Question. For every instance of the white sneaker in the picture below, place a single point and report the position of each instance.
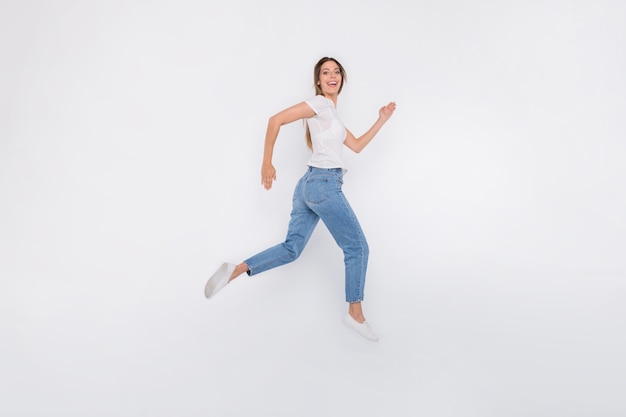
(219, 279)
(363, 329)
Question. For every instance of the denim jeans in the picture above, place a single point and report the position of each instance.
(318, 196)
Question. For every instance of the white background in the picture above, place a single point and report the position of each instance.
(131, 136)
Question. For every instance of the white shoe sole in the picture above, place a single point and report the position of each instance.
(219, 279)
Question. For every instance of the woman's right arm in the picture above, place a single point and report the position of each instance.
(291, 114)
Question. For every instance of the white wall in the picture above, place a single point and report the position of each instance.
(130, 145)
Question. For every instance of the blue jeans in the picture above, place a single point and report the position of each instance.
(317, 196)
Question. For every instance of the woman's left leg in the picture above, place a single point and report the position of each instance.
(324, 196)
(327, 200)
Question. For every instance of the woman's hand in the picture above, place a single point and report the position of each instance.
(385, 112)
(358, 144)
(268, 175)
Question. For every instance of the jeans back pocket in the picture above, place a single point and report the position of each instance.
(317, 188)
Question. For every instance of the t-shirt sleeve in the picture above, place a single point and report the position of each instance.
(317, 103)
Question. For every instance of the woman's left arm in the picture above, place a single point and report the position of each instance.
(358, 144)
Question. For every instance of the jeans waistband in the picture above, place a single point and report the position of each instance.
(311, 169)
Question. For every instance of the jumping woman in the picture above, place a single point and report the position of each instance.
(318, 194)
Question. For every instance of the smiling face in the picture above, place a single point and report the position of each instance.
(329, 77)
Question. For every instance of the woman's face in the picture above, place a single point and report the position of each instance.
(330, 78)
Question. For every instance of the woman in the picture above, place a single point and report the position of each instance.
(318, 194)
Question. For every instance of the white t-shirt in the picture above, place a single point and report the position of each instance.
(327, 134)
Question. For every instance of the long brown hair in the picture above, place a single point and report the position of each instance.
(318, 89)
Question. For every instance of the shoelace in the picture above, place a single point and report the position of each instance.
(367, 327)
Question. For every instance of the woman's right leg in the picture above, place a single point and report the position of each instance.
(301, 225)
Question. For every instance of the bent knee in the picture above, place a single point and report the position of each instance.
(292, 251)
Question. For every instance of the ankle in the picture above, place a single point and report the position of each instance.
(356, 312)
(239, 269)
